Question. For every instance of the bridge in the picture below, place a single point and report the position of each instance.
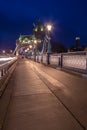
(42, 90)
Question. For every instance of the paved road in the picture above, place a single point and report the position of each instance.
(46, 99)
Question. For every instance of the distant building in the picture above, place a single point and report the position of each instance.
(39, 33)
(24, 42)
(78, 48)
(77, 42)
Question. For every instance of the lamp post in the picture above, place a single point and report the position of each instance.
(35, 49)
(49, 28)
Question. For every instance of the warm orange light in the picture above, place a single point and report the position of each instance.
(30, 46)
(11, 51)
(3, 51)
(35, 41)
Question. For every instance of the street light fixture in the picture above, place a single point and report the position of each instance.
(49, 27)
(30, 46)
(28, 49)
(35, 41)
(11, 51)
(3, 51)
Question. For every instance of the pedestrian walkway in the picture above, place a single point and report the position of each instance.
(33, 106)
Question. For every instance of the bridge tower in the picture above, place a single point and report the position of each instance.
(24, 42)
(39, 32)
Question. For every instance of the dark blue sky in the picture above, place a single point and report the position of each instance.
(68, 16)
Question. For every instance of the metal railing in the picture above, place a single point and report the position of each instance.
(75, 61)
(5, 66)
(6, 70)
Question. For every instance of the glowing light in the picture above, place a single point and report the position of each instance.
(77, 38)
(35, 41)
(3, 51)
(25, 50)
(35, 29)
(49, 27)
(42, 29)
(11, 51)
(28, 41)
(23, 41)
(7, 58)
(30, 46)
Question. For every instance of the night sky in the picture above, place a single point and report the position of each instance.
(69, 18)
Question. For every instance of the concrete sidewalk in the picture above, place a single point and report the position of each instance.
(33, 106)
(70, 89)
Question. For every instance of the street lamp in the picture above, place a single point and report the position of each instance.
(27, 49)
(35, 41)
(30, 46)
(34, 48)
(49, 28)
(3, 51)
(11, 51)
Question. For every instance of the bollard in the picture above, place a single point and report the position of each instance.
(41, 58)
(1, 73)
(48, 58)
(60, 61)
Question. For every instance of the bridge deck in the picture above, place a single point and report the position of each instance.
(46, 99)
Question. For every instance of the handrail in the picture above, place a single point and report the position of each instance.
(5, 66)
(75, 61)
